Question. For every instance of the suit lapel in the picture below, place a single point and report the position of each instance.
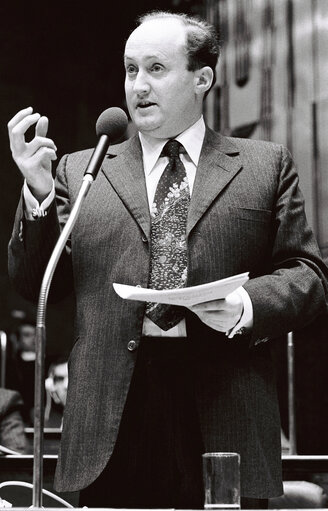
(218, 164)
(123, 168)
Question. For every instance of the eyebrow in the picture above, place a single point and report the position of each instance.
(149, 57)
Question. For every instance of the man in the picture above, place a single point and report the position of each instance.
(21, 364)
(56, 390)
(145, 401)
(12, 435)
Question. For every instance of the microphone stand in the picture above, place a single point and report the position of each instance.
(41, 341)
(3, 342)
(291, 393)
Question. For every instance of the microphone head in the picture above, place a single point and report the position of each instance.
(113, 123)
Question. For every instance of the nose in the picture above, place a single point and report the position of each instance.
(141, 84)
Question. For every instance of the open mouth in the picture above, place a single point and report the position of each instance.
(145, 104)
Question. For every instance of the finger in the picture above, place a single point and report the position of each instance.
(42, 158)
(17, 134)
(41, 127)
(212, 317)
(221, 315)
(213, 305)
(24, 124)
(220, 327)
(38, 142)
(19, 116)
(218, 321)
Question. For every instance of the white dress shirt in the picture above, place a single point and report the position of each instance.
(192, 140)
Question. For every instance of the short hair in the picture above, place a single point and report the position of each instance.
(202, 46)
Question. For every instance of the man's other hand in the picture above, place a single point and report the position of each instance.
(221, 315)
(33, 158)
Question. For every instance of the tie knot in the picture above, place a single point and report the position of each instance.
(172, 149)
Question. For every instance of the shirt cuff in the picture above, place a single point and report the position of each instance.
(33, 209)
(246, 321)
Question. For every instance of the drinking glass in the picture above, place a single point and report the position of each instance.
(221, 475)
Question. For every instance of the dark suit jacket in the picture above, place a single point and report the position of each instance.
(246, 214)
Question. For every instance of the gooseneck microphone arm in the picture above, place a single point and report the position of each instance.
(110, 126)
(41, 341)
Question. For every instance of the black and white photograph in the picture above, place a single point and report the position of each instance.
(164, 254)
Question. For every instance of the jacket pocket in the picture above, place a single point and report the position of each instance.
(252, 214)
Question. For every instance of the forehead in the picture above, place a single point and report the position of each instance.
(159, 37)
(27, 330)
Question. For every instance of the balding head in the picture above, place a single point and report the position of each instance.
(164, 95)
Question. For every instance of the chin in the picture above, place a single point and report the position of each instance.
(147, 127)
(144, 122)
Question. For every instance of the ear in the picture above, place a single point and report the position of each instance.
(203, 79)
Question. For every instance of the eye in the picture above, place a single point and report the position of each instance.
(131, 69)
(156, 68)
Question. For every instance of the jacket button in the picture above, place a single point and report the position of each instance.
(144, 239)
(132, 345)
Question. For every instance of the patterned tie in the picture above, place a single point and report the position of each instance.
(168, 236)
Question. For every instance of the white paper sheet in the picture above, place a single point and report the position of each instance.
(185, 296)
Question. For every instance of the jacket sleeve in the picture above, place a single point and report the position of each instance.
(31, 246)
(295, 293)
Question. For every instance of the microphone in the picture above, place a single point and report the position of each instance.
(110, 127)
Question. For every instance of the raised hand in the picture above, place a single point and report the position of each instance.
(34, 158)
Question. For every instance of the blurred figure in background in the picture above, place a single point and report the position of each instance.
(20, 367)
(12, 434)
(56, 391)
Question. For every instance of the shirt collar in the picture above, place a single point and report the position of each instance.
(191, 139)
